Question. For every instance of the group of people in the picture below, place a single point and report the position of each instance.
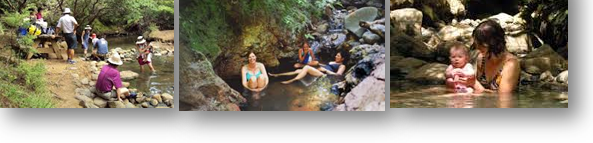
(497, 69)
(255, 77)
(109, 84)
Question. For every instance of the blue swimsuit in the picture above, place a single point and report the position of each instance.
(248, 75)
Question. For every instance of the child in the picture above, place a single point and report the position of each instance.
(460, 74)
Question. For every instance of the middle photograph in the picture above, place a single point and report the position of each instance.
(282, 55)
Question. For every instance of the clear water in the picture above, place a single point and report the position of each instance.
(160, 82)
(436, 96)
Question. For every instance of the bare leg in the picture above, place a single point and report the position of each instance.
(252, 83)
(306, 70)
(298, 65)
(261, 82)
(151, 67)
(313, 63)
(141, 68)
(286, 73)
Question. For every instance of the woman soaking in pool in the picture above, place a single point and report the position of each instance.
(253, 75)
(497, 69)
(336, 67)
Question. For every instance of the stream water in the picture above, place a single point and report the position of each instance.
(436, 96)
(303, 95)
(160, 82)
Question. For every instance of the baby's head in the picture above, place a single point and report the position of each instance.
(459, 55)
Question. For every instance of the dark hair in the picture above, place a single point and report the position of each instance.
(461, 47)
(39, 9)
(489, 32)
(345, 56)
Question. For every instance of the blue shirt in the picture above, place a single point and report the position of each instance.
(102, 46)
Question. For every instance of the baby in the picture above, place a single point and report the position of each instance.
(460, 73)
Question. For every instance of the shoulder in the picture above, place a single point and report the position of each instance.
(261, 65)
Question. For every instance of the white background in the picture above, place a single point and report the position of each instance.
(395, 125)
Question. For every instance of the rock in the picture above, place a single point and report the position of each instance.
(84, 91)
(158, 98)
(129, 105)
(128, 75)
(93, 63)
(352, 21)
(85, 81)
(546, 77)
(166, 96)
(92, 83)
(408, 21)
(407, 65)
(52, 56)
(95, 76)
(116, 104)
(100, 102)
(140, 99)
(145, 105)
(322, 28)
(527, 78)
(196, 94)
(461, 33)
(369, 95)
(433, 73)
(75, 76)
(562, 77)
(101, 64)
(518, 44)
(126, 84)
(411, 47)
(370, 37)
(401, 3)
(154, 102)
(544, 59)
(89, 105)
(456, 7)
(84, 99)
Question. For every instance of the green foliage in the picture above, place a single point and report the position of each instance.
(23, 87)
(1, 28)
(550, 20)
(204, 26)
(14, 19)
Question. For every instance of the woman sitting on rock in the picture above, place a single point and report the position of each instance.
(306, 57)
(497, 69)
(253, 75)
(336, 67)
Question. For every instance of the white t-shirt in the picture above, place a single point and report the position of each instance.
(67, 23)
(467, 70)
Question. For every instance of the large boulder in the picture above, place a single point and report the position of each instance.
(352, 21)
(128, 75)
(433, 73)
(200, 86)
(407, 65)
(407, 21)
(518, 44)
(411, 47)
(562, 77)
(369, 95)
(395, 4)
(544, 59)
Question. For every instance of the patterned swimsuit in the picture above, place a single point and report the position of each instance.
(492, 84)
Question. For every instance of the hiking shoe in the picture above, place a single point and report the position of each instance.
(71, 62)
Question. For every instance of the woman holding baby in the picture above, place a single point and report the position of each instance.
(497, 70)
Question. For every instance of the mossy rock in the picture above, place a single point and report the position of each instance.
(364, 14)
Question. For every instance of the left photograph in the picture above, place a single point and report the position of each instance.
(87, 54)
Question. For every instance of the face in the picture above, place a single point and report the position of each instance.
(482, 48)
(458, 58)
(252, 58)
(305, 46)
(339, 58)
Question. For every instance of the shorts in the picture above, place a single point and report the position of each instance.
(70, 40)
(110, 96)
(142, 62)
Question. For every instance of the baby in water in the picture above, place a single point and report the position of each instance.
(460, 74)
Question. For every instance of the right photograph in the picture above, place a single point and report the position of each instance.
(479, 54)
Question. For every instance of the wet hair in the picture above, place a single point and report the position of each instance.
(345, 56)
(490, 33)
(458, 46)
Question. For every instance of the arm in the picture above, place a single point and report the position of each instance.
(243, 78)
(311, 54)
(510, 76)
(301, 56)
(82, 37)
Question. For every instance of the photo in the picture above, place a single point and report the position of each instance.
(87, 54)
(282, 55)
(479, 54)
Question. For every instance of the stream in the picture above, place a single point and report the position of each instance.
(161, 82)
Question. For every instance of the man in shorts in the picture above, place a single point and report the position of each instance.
(67, 24)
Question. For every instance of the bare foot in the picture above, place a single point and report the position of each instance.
(273, 75)
(287, 82)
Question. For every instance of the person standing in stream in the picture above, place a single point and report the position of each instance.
(67, 25)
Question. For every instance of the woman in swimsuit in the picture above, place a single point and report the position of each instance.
(336, 67)
(254, 75)
(497, 69)
(306, 57)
